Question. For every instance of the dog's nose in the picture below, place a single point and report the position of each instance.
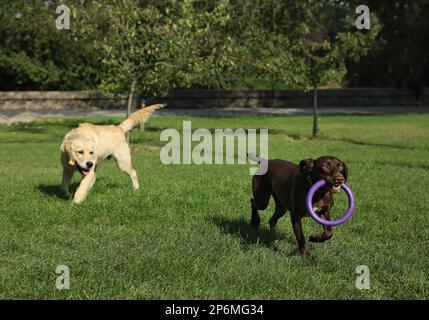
(339, 179)
(89, 164)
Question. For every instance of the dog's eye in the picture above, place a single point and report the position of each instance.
(80, 152)
(92, 152)
(325, 168)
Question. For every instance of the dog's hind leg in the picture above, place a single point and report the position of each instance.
(261, 198)
(278, 213)
(123, 160)
(65, 184)
(255, 221)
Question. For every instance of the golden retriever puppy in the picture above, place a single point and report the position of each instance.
(86, 146)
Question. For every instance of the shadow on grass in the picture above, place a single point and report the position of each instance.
(399, 164)
(54, 190)
(402, 165)
(249, 235)
(24, 127)
(375, 145)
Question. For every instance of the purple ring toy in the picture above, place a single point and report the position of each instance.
(344, 218)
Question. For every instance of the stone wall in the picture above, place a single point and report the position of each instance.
(350, 97)
(58, 100)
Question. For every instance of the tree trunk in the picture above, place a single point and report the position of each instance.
(142, 126)
(140, 104)
(130, 104)
(315, 112)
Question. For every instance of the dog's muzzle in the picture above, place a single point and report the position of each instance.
(83, 171)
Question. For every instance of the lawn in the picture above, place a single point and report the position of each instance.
(185, 234)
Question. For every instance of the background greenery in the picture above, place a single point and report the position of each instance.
(185, 234)
(248, 44)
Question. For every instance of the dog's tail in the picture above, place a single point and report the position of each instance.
(255, 158)
(139, 116)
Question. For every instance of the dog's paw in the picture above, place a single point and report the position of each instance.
(255, 223)
(305, 252)
(78, 199)
(320, 237)
(65, 192)
(136, 185)
(272, 225)
(66, 195)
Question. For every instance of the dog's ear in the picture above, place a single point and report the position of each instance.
(67, 148)
(306, 166)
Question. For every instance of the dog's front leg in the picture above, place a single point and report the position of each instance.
(297, 229)
(327, 230)
(67, 177)
(84, 187)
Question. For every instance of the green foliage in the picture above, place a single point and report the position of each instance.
(400, 58)
(326, 61)
(211, 44)
(265, 37)
(284, 44)
(35, 55)
(160, 46)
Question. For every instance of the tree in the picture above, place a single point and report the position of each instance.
(326, 60)
(265, 35)
(297, 44)
(153, 46)
(35, 55)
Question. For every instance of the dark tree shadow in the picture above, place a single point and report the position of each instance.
(377, 145)
(249, 235)
(402, 165)
(398, 164)
(24, 128)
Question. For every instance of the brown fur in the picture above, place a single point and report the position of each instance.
(288, 184)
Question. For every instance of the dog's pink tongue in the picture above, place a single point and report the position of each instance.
(336, 189)
(85, 173)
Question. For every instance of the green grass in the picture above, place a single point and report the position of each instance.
(185, 233)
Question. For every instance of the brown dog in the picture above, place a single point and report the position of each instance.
(289, 183)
